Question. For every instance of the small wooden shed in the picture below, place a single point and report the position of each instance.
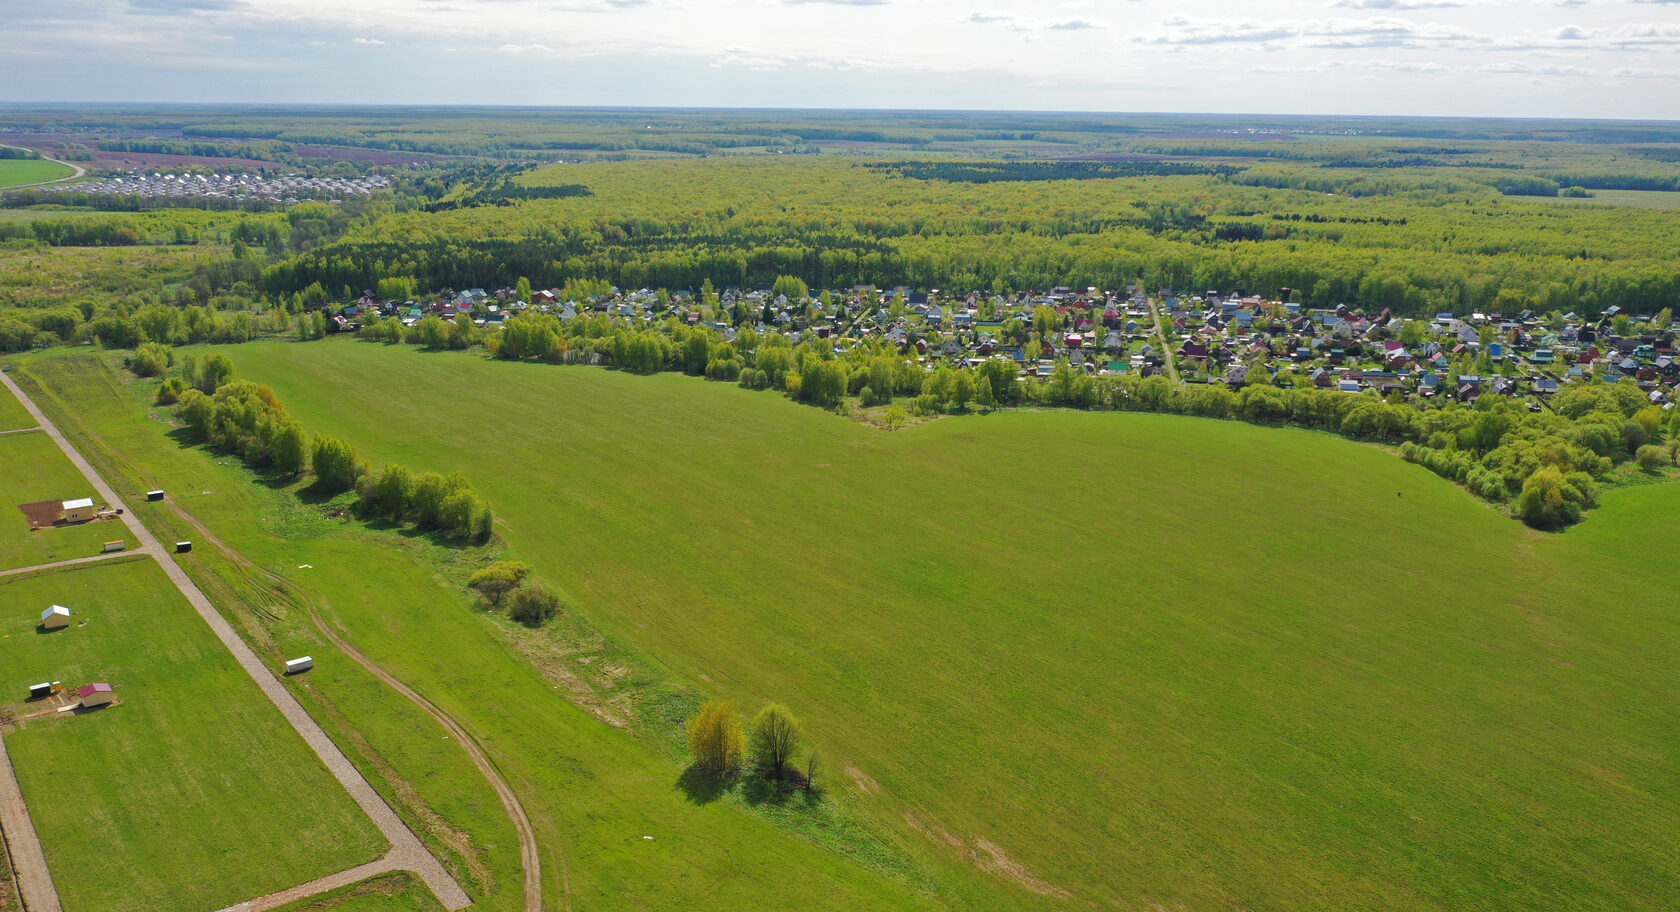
(154, 495)
(77, 510)
(95, 695)
(43, 690)
(304, 663)
(55, 617)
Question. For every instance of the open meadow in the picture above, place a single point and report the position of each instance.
(15, 172)
(1052, 658)
(36, 471)
(593, 791)
(192, 792)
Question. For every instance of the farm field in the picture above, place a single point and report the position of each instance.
(17, 171)
(192, 792)
(36, 470)
(592, 791)
(1644, 199)
(1425, 706)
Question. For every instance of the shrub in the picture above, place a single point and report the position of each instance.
(151, 359)
(1549, 501)
(336, 464)
(1651, 456)
(534, 607)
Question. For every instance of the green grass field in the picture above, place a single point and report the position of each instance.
(17, 171)
(30, 215)
(36, 470)
(1054, 658)
(194, 792)
(12, 414)
(592, 791)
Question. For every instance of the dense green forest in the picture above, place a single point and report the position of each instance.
(1414, 215)
(1411, 245)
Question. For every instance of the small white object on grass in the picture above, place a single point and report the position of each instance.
(647, 837)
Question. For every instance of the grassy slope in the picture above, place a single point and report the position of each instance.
(192, 794)
(36, 470)
(592, 792)
(1153, 659)
(16, 171)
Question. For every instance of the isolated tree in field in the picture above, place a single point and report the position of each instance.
(534, 607)
(714, 738)
(497, 580)
(776, 737)
(336, 464)
(895, 417)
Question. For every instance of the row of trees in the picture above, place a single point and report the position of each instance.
(430, 500)
(247, 420)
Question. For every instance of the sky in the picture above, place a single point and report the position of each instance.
(1522, 58)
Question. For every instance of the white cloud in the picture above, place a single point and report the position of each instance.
(360, 40)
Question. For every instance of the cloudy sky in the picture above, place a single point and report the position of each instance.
(1587, 58)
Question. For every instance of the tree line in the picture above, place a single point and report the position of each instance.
(247, 420)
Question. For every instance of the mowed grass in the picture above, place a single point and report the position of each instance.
(13, 416)
(193, 793)
(593, 792)
(17, 171)
(1122, 659)
(36, 470)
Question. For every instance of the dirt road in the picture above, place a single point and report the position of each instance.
(78, 169)
(406, 852)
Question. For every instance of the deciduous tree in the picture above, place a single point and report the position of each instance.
(714, 738)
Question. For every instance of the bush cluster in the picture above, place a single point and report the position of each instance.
(430, 500)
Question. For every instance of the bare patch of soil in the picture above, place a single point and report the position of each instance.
(864, 783)
(995, 861)
(986, 855)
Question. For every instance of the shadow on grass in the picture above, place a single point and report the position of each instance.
(755, 788)
(702, 786)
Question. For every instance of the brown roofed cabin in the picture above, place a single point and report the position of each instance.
(95, 695)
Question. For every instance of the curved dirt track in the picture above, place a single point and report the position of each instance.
(530, 860)
(78, 169)
(532, 863)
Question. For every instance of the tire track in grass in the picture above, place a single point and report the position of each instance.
(530, 860)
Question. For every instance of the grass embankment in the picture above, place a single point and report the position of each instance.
(1147, 658)
(193, 792)
(36, 470)
(15, 172)
(593, 792)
